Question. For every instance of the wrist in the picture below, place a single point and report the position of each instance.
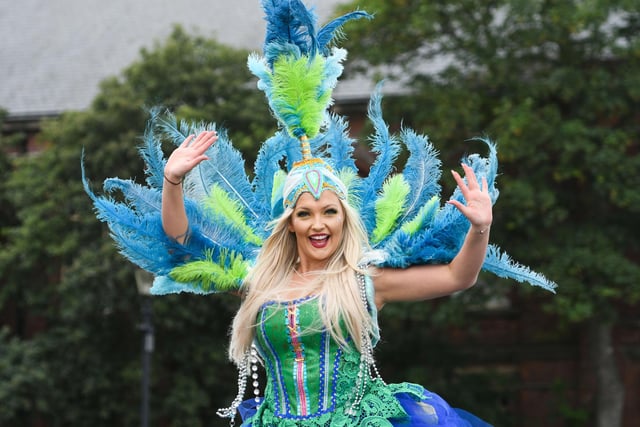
(173, 180)
(480, 229)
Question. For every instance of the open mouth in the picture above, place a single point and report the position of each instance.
(319, 241)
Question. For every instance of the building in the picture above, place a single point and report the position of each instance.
(55, 54)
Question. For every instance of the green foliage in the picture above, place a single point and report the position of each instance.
(572, 416)
(73, 354)
(21, 375)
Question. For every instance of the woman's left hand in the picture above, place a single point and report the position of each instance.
(420, 282)
(478, 206)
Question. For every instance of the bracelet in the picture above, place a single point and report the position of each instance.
(484, 230)
(171, 182)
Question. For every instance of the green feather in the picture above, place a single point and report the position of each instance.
(230, 211)
(349, 177)
(278, 182)
(298, 98)
(389, 206)
(222, 276)
(424, 216)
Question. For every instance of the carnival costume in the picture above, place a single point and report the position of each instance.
(311, 380)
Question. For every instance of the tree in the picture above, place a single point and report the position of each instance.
(556, 83)
(74, 294)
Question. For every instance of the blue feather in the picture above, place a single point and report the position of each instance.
(136, 235)
(387, 148)
(140, 244)
(294, 154)
(277, 17)
(502, 265)
(302, 28)
(331, 29)
(270, 156)
(144, 199)
(438, 242)
(289, 22)
(226, 168)
(485, 167)
(168, 126)
(206, 232)
(332, 70)
(164, 285)
(422, 171)
(259, 68)
(492, 160)
(401, 238)
(339, 143)
(449, 225)
(151, 153)
(136, 228)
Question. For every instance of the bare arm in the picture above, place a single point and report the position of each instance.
(432, 281)
(184, 158)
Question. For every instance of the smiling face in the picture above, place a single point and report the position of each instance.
(318, 226)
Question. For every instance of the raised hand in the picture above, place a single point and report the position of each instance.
(188, 155)
(478, 206)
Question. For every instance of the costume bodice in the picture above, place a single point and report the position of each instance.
(311, 380)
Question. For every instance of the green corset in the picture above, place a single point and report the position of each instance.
(311, 380)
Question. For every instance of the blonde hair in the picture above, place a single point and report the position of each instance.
(336, 287)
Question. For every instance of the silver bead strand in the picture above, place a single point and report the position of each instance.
(254, 373)
(243, 373)
(367, 361)
(366, 339)
(363, 372)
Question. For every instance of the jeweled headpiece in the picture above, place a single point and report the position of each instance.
(311, 175)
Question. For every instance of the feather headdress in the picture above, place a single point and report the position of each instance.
(298, 73)
(229, 213)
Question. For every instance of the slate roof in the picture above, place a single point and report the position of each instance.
(54, 53)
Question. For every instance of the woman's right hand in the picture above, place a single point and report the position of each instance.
(188, 155)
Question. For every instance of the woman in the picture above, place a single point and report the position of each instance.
(309, 305)
(311, 284)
